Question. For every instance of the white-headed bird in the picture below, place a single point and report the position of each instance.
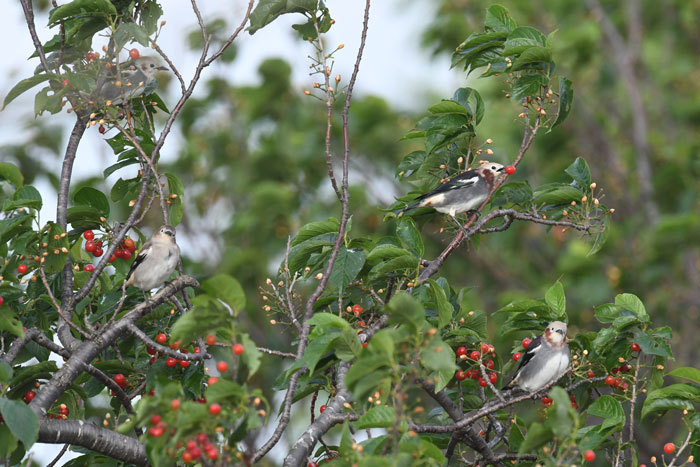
(156, 260)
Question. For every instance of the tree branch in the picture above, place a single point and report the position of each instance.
(107, 442)
(165, 349)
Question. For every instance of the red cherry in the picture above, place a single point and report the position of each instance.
(364, 344)
(161, 338)
(151, 350)
(469, 373)
(609, 380)
(625, 368)
(237, 349)
(101, 129)
(590, 374)
(510, 170)
(357, 309)
(174, 345)
(322, 408)
(134, 54)
(155, 419)
(484, 348)
(186, 456)
(202, 438)
(191, 444)
(211, 339)
(489, 364)
(98, 252)
(120, 379)
(152, 360)
(483, 383)
(22, 269)
(126, 254)
(129, 244)
(113, 257)
(196, 452)
(615, 371)
(29, 396)
(63, 410)
(184, 363)
(212, 380)
(313, 464)
(461, 351)
(88, 268)
(476, 374)
(589, 456)
(212, 453)
(66, 83)
(90, 246)
(214, 409)
(155, 431)
(493, 377)
(618, 382)
(669, 448)
(88, 235)
(1, 301)
(516, 356)
(574, 405)
(635, 347)
(170, 362)
(175, 404)
(222, 366)
(90, 56)
(526, 342)
(547, 401)
(461, 375)
(475, 355)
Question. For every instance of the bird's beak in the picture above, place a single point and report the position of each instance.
(560, 331)
(501, 169)
(162, 68)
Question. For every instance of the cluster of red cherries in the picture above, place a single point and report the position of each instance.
(94, 246)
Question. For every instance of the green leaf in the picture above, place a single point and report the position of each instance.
(512, 193)
(444, 307)
(532, 55)
(21, 420)
(607, 313)
(10, 323)
(348, 263)
(537, 435)
(521, 39)
(653, 345)
(675, 396)
(5, 372)
(436, 355)
(227, 289)
(381, 416)
(127, 32)
(11, 173)
(556, 299)
(463, 96)
(268, 10)
(251, 355)
(559, 416)
(347, 345)
(610, 410)
(174, 184)
(632, 303)
(528, 85)
(25, 197)
(82, 8)
(385, 251)
(315, 229)
(8, 441)
(206, 315)
(566, 98)
(25, 85)
(84, 217)
(447, 106)
(687, 372)
(113, 168)
(89, 196)
(580, 172)
(557, 193)
(405, 309)
(498, 19)
(407, 231)
(48, 99)
(394, 265)
(329, 319)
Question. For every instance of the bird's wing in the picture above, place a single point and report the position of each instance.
(140, 257)
(532, 349)
(530, 352)
(463, 180)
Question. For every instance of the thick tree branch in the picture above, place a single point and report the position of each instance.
(88, 350)
(107, 442)
(333, 414)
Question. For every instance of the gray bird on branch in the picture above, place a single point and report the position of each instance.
(545, 360)
(138, 78)
(156, 260)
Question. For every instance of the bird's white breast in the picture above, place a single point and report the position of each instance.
(550, 370)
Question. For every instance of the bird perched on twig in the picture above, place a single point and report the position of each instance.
(155, 261)
(137, 79)
(545, 360)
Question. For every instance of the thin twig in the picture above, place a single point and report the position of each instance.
(276, 352)
(681, 449)
(58, 457)
(60, 312)
(165, 350)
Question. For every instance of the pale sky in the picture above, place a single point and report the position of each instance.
(393, 67)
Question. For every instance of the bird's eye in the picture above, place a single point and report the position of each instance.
(493, 167)
(152, 65)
